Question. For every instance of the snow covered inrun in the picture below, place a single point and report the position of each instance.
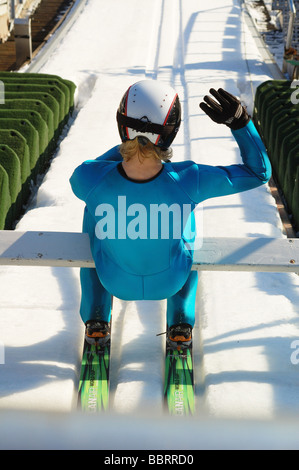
(246, 325)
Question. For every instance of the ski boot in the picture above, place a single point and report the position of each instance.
(97, 332)
(179, 336)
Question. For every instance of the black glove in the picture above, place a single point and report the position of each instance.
(229, 111)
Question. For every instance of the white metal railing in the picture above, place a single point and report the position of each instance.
(15, 7)
(292, 16)
(3, 7)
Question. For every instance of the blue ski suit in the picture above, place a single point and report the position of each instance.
(141, 232)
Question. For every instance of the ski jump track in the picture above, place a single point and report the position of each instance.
(180, 46)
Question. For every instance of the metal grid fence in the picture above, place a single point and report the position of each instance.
(290, 12)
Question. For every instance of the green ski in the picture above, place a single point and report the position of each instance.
(179, 381)
(93, 394)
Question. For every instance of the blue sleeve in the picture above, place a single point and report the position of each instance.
(86, 176)
(83, 179)
(113, 155)
(225, 180)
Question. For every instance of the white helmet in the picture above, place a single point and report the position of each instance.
(149, 109)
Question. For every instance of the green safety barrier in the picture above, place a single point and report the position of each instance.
(266, 91)
(289, 143)
(270, 99)
(276, 116)
(33, 105)
(39, 77)
(280, 118)
(29, 132)
(18, 143)
(45, 98)
(35, 110)
(36, 121)
(5, 201)
(40, 125)
(53, 91)
(11, 164)
(295, 204)
(283, 130)
(70, 85)
(20, 79)
(289, 178)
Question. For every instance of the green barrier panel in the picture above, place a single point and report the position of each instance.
(272, 92)
(290, 141)
(34, 118)
(284, 122)
(5, 201)
(45, 98)
(270, 104)
(292, 163)
(53, 105)
(266, 90)
(53, 91)
(13, 78)
(295, 202)
(257, 99)
(44, 76)
(35, 109)
(33, 105)
(282, 131)
(277, 119)
(29, 132)
(17, 142)
(11, 163)
(283, 112)
(71, 85)
(266, 86)
(275, 114)
(41, 128)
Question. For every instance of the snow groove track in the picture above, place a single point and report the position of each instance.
(245, 322)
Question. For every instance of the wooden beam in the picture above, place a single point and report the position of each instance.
(45, 249)
(70, 249)
(248, 254)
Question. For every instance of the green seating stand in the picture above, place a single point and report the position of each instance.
(35, 120)
(276, 117)
(4, 197)
(39, 77)
(29, 132)
(35, 110)
(48, 83)
(44, 97)
(283, 130)
(295, 201)
(289, 179)
(11, 164)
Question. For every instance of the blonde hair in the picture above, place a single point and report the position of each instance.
(144, 149)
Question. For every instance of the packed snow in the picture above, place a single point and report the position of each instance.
(246, 323)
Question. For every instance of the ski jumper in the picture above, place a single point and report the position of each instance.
(141, 232)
